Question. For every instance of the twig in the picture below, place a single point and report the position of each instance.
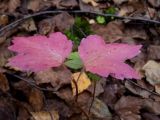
(15, 23)
(144, 88)
(94, 92)
(30, 83)
(75, 82)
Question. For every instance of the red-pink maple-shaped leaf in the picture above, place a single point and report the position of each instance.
(37, 53)
(108, 59)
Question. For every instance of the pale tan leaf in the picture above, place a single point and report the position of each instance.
(83, 82)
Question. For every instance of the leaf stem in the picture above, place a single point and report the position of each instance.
(94, 92)
(75, 83)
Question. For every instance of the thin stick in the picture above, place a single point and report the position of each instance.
(30, 83)
(75, 82)
(14, 24)
(94, 92)
(144, 88)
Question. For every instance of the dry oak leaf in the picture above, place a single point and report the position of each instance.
(37, 53)
(82, 81)
(108, 59)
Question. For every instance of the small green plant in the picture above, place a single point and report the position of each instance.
(100, 20)
(81, 24)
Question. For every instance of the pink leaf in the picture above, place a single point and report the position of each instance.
(108, 59)
(37, 53)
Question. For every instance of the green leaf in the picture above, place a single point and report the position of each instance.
(74, 61)
(100, 20)
(93, 76)
(74, 55)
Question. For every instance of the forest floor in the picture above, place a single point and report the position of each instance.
(48, 95)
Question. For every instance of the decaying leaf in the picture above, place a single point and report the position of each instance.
(4, 85)
(57, 77)
(28, 25)
(82, 81)
(152, 106)
(127, 109)
(36, 99)
(44, 115)
(7, 109)
(37, 53)
(136, 90)
(108, 59)
(118, 2)
(112, 92)
(157, 88)
(60, 22)
(153, 52)
(99, 87)
(93, 2)
(59, 106)
(100, 110)
(113, 31)
(152, 72)
(154, 3)
(13, 4)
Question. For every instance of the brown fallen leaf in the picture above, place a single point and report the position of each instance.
(57, 77)
(28, 25)
(3, 6)
(153, 52)
(92, 2)
(60, 22)
(152, 72)
(82, 81)
(4, 85)
(136, 33)
(44, 115)
(37, 5)
(139, 61)
(113, 31)
(125, 10)
(99, 87)
(152, 106)
(88, 7)
(13, 4)
(100, 110)
(3, 20)
(136, 90)
(127, 109)
(7, 109)
(157, 88)
(70, 4)
(60, 106)
(149, 116)
(112, 92)
(84, 98)
(132, 8)
(154, 3)
(23, 114)
(118, 2)
(4, 53)
(36, 99)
